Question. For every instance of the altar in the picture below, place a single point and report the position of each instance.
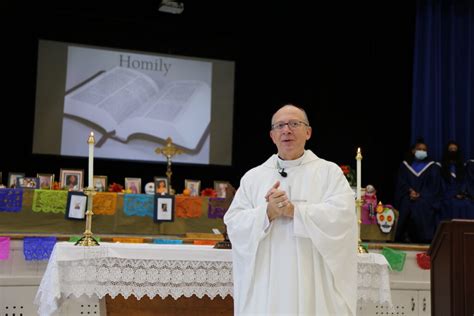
(164, 271)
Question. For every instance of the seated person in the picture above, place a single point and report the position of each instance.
(470, 179)
(470, 188)
(417, 196)
(455, 203)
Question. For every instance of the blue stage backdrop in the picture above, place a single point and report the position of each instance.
(443, 75)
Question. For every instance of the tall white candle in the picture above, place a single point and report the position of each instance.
(91, 142)
(359, 175)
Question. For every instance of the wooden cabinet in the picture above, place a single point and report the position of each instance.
(452, 276)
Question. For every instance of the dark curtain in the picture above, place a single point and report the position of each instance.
(443, 75)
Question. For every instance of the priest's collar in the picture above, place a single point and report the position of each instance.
(290, 163)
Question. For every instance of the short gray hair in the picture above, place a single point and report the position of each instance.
(295, 106)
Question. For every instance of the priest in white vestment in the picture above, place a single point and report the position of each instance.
(293, 229)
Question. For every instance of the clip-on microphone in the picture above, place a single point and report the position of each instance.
(282, 173)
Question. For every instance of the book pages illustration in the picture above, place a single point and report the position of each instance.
(134, 102)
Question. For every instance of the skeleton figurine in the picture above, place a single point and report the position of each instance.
(369, 203)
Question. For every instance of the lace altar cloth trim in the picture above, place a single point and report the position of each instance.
(373, 282)
(100, 271)
(139, 277)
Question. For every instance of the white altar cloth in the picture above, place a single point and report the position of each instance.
(164, 270)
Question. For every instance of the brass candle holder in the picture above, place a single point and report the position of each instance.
(169, 151)
(360, 248)
(88, 238)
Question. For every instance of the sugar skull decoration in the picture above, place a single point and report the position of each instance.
(369, 204)
(150, 188)
(386, 219)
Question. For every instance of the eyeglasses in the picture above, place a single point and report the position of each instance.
(292, 124)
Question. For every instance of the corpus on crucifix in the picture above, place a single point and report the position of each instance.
(169, 151)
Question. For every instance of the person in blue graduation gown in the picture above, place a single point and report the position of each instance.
(470, 187)
(417, 196)
(470, 178)
(455, 202)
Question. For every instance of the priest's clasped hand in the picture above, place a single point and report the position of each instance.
(278, 203)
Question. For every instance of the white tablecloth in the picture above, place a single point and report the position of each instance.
(164, 270)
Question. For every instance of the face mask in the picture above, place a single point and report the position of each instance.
(452, 155)
(421, 154)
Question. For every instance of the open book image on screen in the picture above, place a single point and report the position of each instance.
(132, 101)
(125, 102)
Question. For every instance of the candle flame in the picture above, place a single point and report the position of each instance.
(90, 139)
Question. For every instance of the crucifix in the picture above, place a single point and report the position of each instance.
(169, 151)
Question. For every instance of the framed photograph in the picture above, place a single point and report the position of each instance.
(46, 180)
(100, 183)
(134, 185)
(161, 185)
(12, 178)
(221, 188)
(194, 186)
(72, 179)
(27, 182)
(76, 206)
(163, 208)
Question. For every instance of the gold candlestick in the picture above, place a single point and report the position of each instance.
(169, 151)
(358, 157)
(360, 248)
(87, 238)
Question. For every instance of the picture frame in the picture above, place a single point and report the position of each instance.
(67, 177)
(134, 185)
(194, 186)
(100, 183)
(221, 188)
(46, 180)
(12, 178)
(164, 208)
(76, 206)
(161, 185)
(27, 182)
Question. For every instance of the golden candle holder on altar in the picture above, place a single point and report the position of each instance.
(87, 238)
(169, 151)
(360, 248)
